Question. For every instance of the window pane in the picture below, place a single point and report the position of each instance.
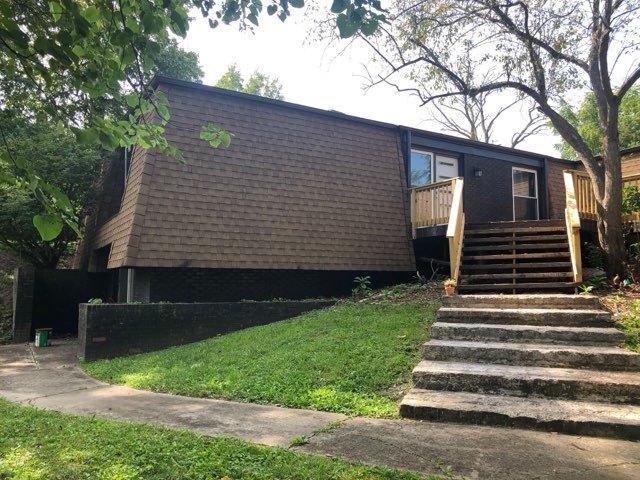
(525, 208)
(524, 183)
(420, 168)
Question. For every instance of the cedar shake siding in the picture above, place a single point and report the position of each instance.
(297, 189)
(631, 162)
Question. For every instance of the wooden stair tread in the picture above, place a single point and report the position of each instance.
(524, 238)
(517, 246)
(497, 276)
(517, 266)
(483, 231)
(519, 286)
(516, 256)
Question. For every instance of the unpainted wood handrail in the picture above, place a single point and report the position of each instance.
(572, 221)
(455, 228)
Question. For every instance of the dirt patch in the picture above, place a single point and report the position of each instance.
(418, 293)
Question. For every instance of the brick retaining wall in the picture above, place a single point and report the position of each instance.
(117, 329)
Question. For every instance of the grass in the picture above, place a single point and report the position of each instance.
(354, 358)
(38, 444)
(628, 318)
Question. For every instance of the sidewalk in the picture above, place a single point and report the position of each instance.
(49, 378)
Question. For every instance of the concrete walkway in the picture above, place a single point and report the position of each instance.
(49, 378)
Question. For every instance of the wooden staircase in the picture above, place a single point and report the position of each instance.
(512, 257)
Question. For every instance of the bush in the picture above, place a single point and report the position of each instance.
(630, 199)
(592, 256)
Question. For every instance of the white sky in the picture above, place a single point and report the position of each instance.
(312, 73)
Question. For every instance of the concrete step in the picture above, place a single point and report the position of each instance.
(533, 354)
(566, 416)
(557, 301)
(572, 384)
(526, 316)
(527, 334)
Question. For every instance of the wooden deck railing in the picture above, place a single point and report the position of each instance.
(440, 203)
(586, 200)
(455, 228)
(431, 204)
(572, 221)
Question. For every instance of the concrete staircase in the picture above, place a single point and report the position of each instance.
(549, 362)
(513, 257)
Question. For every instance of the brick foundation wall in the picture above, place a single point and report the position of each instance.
(231, 285)
(48, 298)
(23, 280)
(111, 330)
(555, 188)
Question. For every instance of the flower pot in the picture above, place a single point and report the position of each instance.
(449, 289)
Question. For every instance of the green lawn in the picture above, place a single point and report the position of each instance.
(630, 324)
(38, 444)
(354, 358)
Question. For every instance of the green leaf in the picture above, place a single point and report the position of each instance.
(49, 226)
(91, 14)
(56, 10)
(78, 50)
(369, 27)
(86, 136)
(296, 3)
(272, 9)
(339, 6)
(132, 99)
(345, 26)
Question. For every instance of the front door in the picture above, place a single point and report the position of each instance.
(525, 194)
(446, 167)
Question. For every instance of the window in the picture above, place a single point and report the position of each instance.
(421, 168)
(525, 194)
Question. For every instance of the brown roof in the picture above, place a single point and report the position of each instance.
(296, 189)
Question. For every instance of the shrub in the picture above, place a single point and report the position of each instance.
(630, 199)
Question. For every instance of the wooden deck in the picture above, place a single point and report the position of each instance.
(585, 198)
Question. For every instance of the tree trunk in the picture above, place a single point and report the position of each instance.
(609, 205)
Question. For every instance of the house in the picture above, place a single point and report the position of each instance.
(304, 200)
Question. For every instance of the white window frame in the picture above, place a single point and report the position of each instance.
(433, 164)
(513, 191)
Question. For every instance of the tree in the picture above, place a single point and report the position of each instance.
(258, 83)
(175, 62)
(57, 158)
(585, 120)
(67, 58)
(542, 50)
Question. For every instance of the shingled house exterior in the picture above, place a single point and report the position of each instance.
(303, 201)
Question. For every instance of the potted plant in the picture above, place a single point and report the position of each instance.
(449, 286)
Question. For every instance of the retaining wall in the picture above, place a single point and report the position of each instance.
(117, 329)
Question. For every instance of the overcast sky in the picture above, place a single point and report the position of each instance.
(316, 74)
